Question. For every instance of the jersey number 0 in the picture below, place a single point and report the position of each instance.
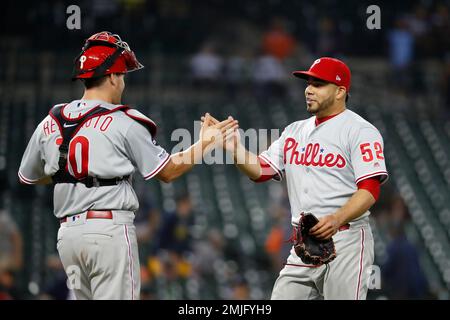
(80, 168)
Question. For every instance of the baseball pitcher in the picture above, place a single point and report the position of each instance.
(334, 164)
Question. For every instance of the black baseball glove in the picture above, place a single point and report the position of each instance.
(310, 249)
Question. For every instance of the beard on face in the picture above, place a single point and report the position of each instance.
(321, 106)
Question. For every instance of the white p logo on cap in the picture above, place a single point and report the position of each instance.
(338, 78)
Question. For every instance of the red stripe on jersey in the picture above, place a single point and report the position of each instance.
(158, 169)
(26, 180)
(361, 266)
(130, 261)
(370, 175)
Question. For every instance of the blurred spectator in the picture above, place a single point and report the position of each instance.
(206, 67)
(277, 245)
(402, 274)
(327, 38)
(277, 42)
(240, 289)
(208, 261)
(418, 23)
(148, 224)
(167, 268)
(147, 284)
(269, 79)
(236, 73)
(175, 234)
(419, 26)
(394, 210)
(441, 29)
(399, 210)
(7, 284)
(209, 252)
(10, 243)
(401, 53)
(56, 286)
(273, 245)
(10, 256)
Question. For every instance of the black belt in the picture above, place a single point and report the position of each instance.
(90, 182)
(98, 182)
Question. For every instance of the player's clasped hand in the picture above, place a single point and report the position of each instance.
(230, 135)
(326, 227)
(213, 130)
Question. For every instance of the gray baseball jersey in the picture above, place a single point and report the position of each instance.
(324, 163)
(107, 146)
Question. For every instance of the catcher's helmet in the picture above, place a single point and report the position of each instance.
(104, 53)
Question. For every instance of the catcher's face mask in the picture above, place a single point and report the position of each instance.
(104, 53)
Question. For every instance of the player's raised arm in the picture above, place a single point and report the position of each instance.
(245, 160)
(210, 133)
(253, 166)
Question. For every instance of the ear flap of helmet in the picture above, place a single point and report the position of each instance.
(131, 61)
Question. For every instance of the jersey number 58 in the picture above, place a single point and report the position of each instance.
(367, 152)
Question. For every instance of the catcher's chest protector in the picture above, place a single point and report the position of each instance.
(68, 128)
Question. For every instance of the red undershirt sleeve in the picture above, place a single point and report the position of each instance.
(372, 185)
(267, 172)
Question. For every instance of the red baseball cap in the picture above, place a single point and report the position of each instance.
(328, 69)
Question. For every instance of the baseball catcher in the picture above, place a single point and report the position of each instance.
(89, 149)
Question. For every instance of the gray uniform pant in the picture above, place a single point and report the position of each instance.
(345, 278)
(100, 256)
